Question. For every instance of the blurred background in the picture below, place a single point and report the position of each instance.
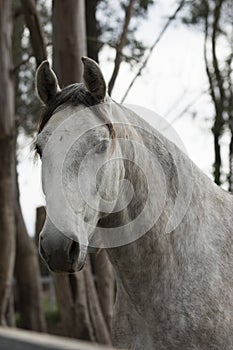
(174, 57)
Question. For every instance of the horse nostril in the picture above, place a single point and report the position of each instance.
(73, 251)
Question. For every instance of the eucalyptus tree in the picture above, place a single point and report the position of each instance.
(7, 161)
(214, 18)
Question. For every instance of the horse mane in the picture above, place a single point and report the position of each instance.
(73, 95)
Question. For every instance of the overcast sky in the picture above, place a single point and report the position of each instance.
(174, 78)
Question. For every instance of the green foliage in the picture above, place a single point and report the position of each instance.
(51, 316)
(17, 319)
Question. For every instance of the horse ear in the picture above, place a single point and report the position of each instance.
(93, 78)
(46, 82)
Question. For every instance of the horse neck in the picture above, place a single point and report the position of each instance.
(140, 259)
(128, 258)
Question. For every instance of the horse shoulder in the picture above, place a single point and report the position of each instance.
(129, 329)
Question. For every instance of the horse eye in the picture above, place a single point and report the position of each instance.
(101, 148)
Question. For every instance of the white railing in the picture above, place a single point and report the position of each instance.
(14, 339)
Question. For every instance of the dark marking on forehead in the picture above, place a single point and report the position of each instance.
(72, 95)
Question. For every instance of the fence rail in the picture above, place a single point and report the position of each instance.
(14, 339)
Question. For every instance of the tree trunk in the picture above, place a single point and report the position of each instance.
(93, 30)
(69, 40)
(72, 304)
(77, 298)
(105, 284)
(27, 268)
(7, 159)
(36, 33)
(40, 219)
(27, 273)
(69, 44)
(216, 84)
(103, 270)
(10, 312)
(230, 180)
(100, 329)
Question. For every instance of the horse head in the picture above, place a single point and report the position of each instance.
(81, 166)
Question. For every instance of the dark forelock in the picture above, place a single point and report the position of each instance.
(72, 95)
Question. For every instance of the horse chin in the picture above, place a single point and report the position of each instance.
(76, 266)
(71, 270)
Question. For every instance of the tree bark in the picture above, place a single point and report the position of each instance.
(92, 29)
(7, 159)
(40, 219)
(69, 40)
(100, 329)
(216, 86)
(105, 283)
(27, 267)
(77, 298)
(36, 33)
(72, 304)
(230, 180)
(27, 274)
(69, 44)
(220, 95)
(10, 312)
(230, 119)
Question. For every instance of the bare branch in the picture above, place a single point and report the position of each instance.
(217, 13)
(230, 114)
(207, 68)
(175, 104)
(215, 80)
(121, 45)
(167, 24)
(22, 63)
(114, 46)
(188, 107)
(36, 32)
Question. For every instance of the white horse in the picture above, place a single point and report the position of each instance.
(174, 285)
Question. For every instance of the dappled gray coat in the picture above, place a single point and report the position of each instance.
(174, 282)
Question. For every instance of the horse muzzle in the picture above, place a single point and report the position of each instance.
(61, 254)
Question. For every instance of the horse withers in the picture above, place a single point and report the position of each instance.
(112, 181)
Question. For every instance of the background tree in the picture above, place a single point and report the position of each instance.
(7, 157)
(85, 304)
(60, 32)
(85, 311)
(100, 32)
(67, 50)
(27, 270)
(119, 34)
(76, 294)
(214, 18)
